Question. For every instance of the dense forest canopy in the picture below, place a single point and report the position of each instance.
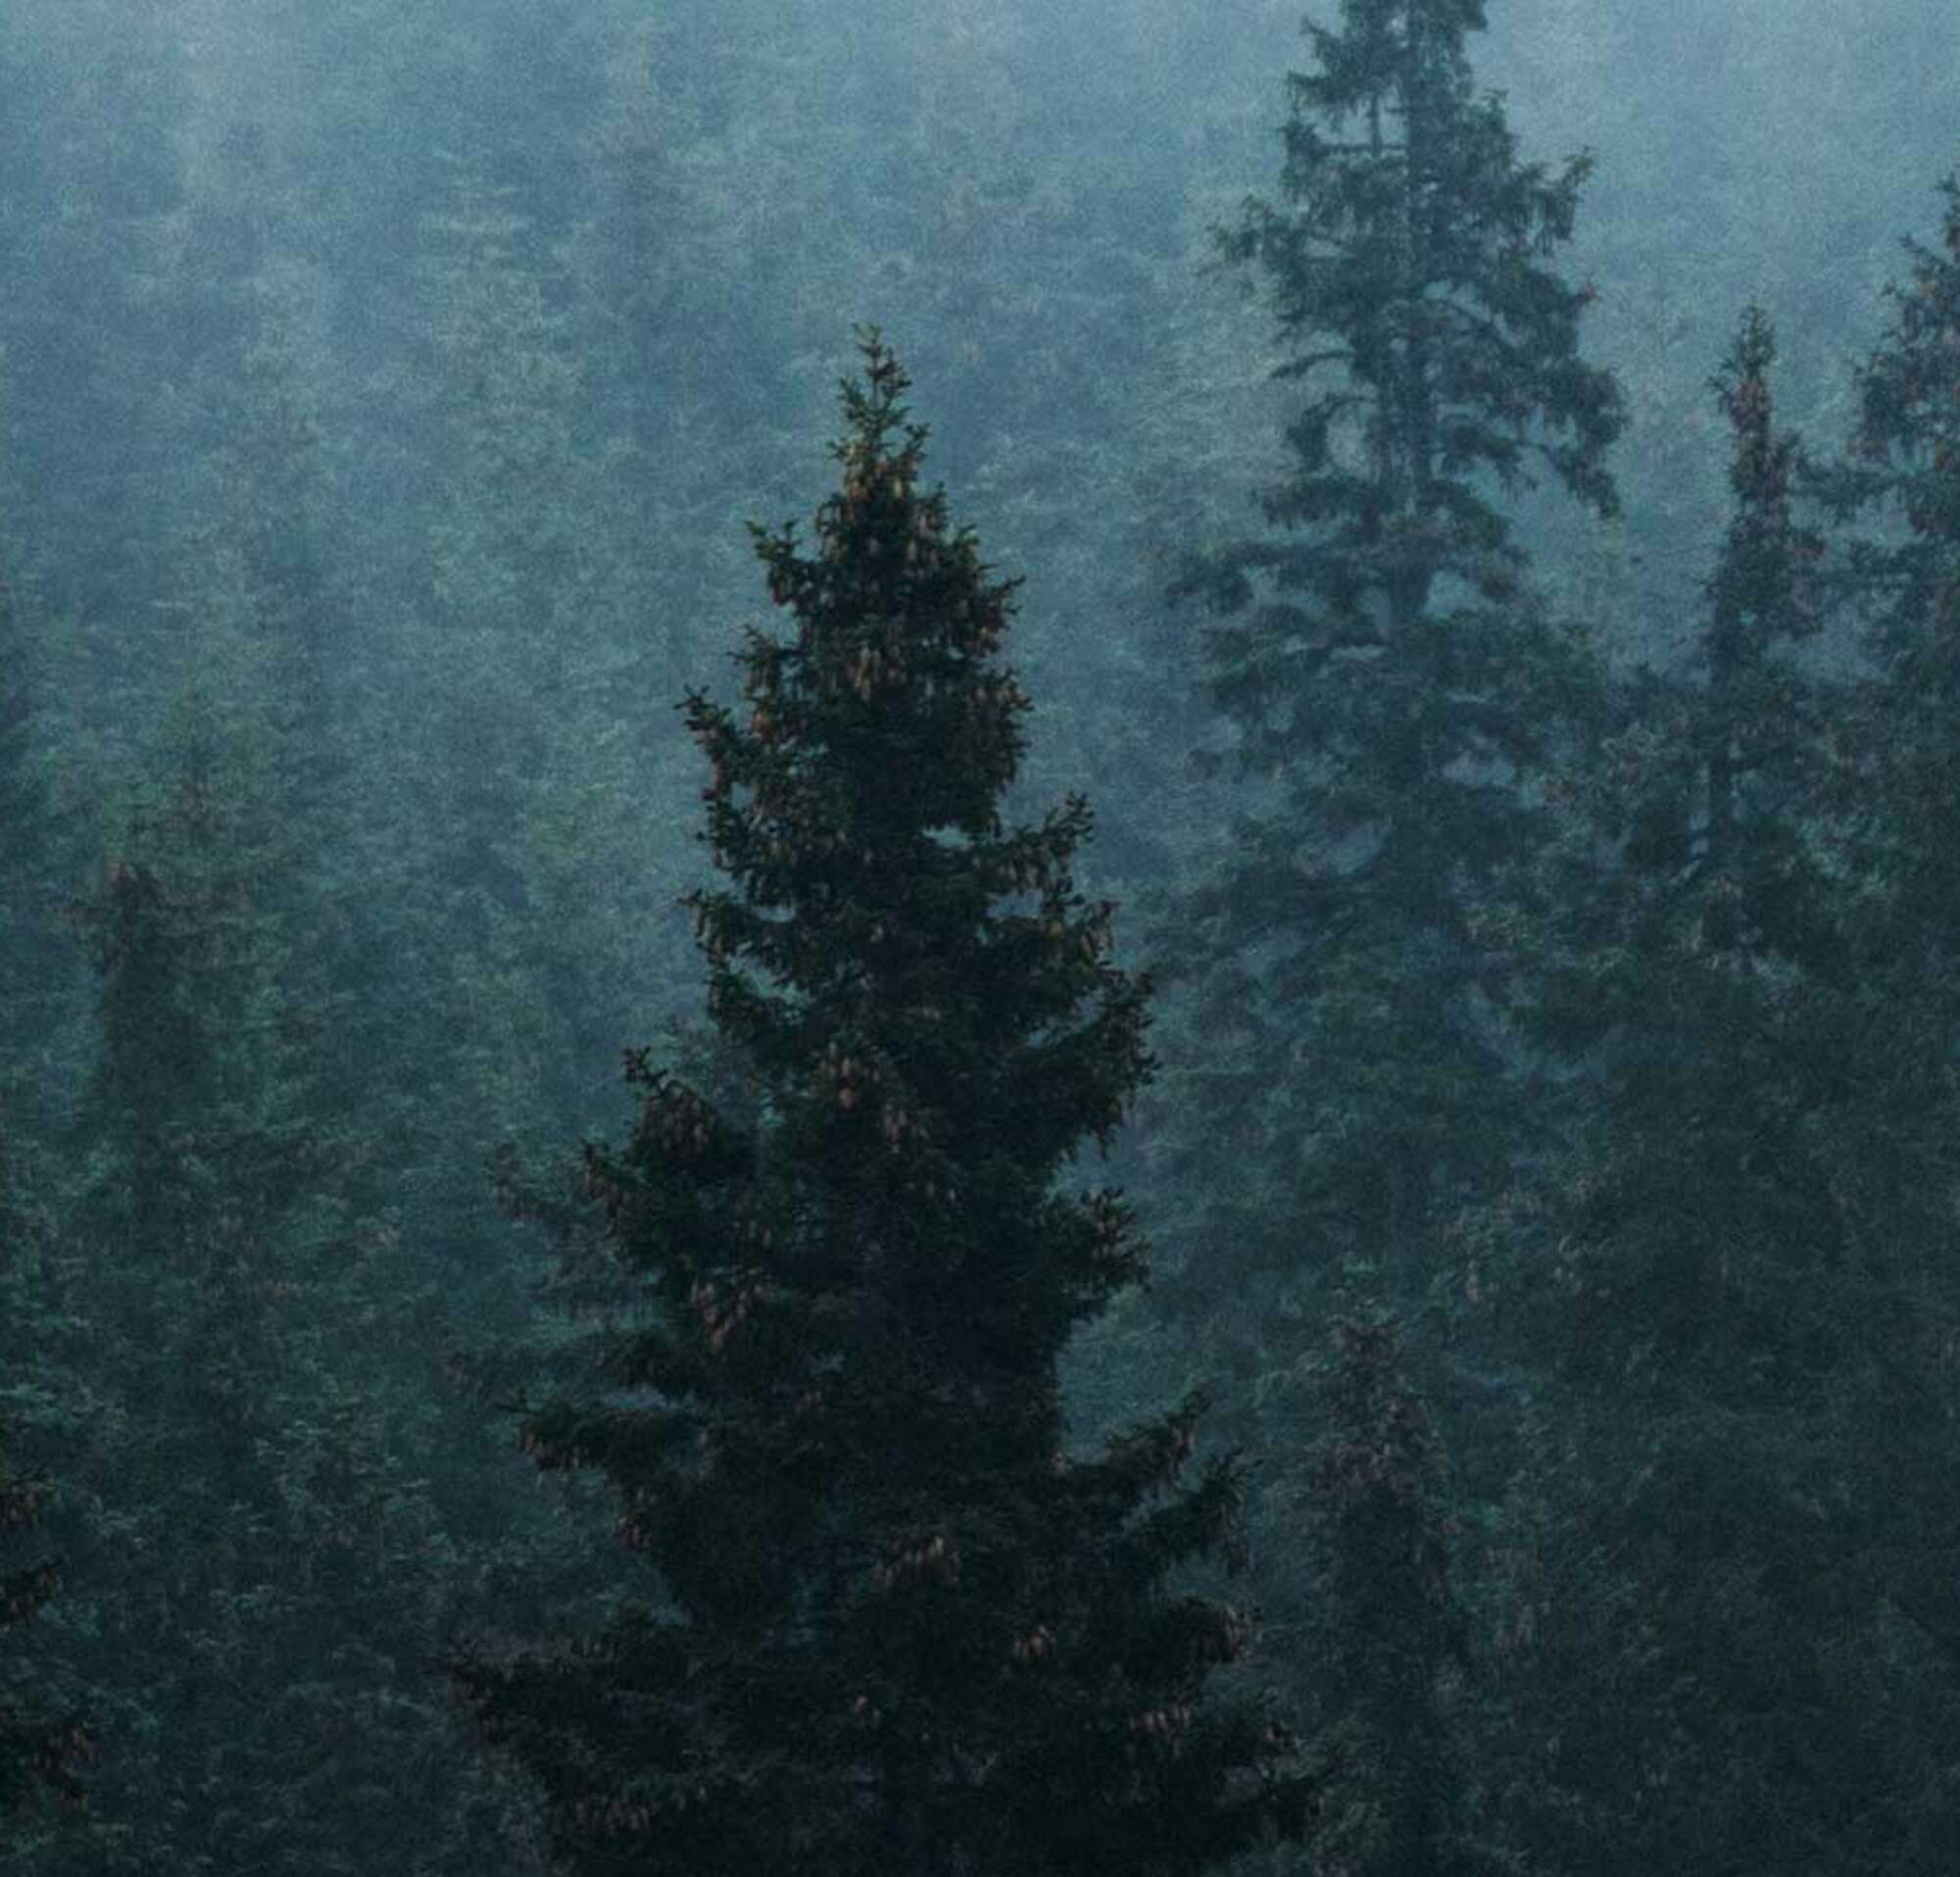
(1424, 991)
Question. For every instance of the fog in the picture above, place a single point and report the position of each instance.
(1545, 1151)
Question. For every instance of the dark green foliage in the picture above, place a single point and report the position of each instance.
(398, 375)
(896, 1624)
(1404, 721)
(1732, 1288)
(37, 1754)
(1382, 1632)
(1714, 782)
(1386, 680)
(260, 1569)
(1432, 342)
(1759, 720)
(41, 1752)
(1905, 473)
(31, 961)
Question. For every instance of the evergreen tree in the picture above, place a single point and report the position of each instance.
(37, 975)
(1383, 1630)
(27, 957)
(35, 1752)
(1402, 717)
(1905, 472)
(506, 908)
(262, 1561)
(897, 1625)
(1396, 696)
(39, 1754)
(1731, 1287)
(29, 1749)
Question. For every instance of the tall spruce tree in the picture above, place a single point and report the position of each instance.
(1904, 474)
(1715, 779)
(1386, 680)
(37, 1754)
(30, 974)
(897, 1625)
(1382, 1627)
(1731, 1287)
(261, 1560)
(40, 1751)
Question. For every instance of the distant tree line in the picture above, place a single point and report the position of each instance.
(1535, 1145)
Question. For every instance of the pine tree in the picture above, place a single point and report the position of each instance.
(261, 1558)
(30, 961)
(1383, 1630)
(1729, 1285)
(39, 1754)
(1402, 717)
(1758, 719)
(36, 1754)
(898, 1625)
(502, 908)
(1388, 684)
(1905, 472)
(1715, 779)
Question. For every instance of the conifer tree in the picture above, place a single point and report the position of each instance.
(39, 1754)
(1731, 1286)
(1386, 681)
(36, 1754)
(1383, 1630)
(896, 1624)
(1720, 941)
(1757, 718)
(502, 906)
(261, 1558)
(28, 961)
(1904, 471)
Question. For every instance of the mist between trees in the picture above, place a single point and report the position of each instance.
(979, 940)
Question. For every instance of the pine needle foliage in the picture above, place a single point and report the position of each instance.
(30, 974)
(1732, 1285)
(1436, 349)
(898, 1625)
(1386, 1636)
(1395, 695)
(41, 1754)
(1904, 475)
(1710, 982)
(37, 1754)
(260, 1559)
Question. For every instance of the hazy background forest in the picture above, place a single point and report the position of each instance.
(385, 390)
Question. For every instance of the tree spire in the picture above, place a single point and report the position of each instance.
(894, 1624)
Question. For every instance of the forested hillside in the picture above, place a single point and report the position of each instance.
(1248, 733)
